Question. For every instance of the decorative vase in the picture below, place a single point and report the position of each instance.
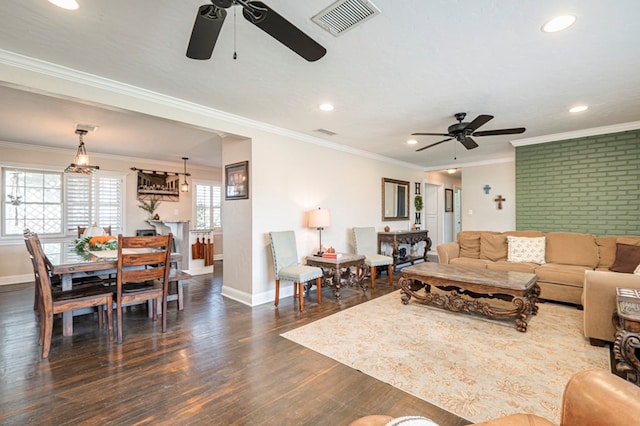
(156, 217)
(387, 229)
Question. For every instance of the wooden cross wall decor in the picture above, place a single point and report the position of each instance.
(499, 200)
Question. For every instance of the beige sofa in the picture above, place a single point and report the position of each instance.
(576, 269)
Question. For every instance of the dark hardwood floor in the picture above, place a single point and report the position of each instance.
(220, 363)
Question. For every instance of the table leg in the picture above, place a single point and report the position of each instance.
(67, 317)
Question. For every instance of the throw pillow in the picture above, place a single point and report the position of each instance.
(523, 249)
(627, 258)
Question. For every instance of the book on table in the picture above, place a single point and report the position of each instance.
(332, 255)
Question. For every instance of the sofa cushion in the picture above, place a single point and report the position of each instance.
(627, 258)
(606, 251)
(469, 242)
(503, 265)
(572, 248)
(468, 262)
(523, 249)
(493, 247)
(571, 275)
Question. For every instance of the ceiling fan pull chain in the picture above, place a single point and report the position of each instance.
(235, 55)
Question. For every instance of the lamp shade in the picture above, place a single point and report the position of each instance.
(319, 218)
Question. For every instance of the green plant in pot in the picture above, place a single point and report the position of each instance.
(149, 206)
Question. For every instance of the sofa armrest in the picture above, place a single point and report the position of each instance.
(597, 397)
(448, 251)
(599, 301)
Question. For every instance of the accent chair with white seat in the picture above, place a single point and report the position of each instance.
(367, 245)
(287, 267)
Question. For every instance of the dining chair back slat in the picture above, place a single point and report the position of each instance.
(150, 268)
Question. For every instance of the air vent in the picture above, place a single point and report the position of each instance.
(325, 131)
(343, 15)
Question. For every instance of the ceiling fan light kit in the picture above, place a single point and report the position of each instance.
(210, 18)
(462, 131)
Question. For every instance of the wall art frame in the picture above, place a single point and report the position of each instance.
(448, 200)
(236, 180)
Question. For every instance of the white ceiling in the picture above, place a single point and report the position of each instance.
(406, 70)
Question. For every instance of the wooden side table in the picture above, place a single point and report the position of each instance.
(626, 348)
(348, 270)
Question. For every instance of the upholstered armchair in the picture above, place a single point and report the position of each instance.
(288, 268)
(366, 244)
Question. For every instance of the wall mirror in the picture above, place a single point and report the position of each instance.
(395, 199)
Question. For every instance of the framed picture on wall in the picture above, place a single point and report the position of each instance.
(448, 200)
(236, 181)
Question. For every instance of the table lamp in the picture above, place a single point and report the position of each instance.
(319, 219)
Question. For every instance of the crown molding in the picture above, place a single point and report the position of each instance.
(82, 78)
(594, 131)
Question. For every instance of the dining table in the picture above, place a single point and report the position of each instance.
(69, 262)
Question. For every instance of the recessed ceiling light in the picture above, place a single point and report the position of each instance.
(65, 4)
(326, 107)
(558, 23)
(579, 108)
(412, 142)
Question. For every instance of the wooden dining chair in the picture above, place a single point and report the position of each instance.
(142, 275)
(53, 302)
(287, 267)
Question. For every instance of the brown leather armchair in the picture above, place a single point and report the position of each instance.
(592, 397)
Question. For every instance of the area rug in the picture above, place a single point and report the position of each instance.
(474, 367)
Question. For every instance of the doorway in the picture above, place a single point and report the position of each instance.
(433, 221)
(457, 211)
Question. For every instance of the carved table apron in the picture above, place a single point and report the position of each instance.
(626, 348)
(340, 272)
(520, 288)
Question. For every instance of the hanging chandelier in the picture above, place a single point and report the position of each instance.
(81, 161)
(184, 187)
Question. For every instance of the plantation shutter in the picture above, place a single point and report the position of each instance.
(94, 199)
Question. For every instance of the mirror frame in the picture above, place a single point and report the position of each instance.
(397, 182)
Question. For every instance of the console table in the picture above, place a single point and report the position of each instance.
(395, 238)
(626, 348)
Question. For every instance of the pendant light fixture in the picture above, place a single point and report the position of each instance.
(184, 187)
(81, 161)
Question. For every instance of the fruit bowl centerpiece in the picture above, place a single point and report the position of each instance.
(97, 243)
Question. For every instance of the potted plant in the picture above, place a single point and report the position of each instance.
(417, 203)
(149, 206)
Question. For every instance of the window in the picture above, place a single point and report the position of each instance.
(54, 203)
(33, 199)
(208, 199)
(94, 199)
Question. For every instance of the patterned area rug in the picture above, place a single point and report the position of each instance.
(472, 366)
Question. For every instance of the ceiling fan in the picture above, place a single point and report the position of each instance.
(462, 130)
(210, 18)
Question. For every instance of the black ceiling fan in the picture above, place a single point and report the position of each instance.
(210, 18)
(461, 131)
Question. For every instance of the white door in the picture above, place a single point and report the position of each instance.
(433, 219)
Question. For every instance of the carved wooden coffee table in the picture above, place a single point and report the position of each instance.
(520, 288)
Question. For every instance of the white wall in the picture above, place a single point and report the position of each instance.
(479, 210)
(290, 178)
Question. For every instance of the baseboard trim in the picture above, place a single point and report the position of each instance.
(16, 279)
